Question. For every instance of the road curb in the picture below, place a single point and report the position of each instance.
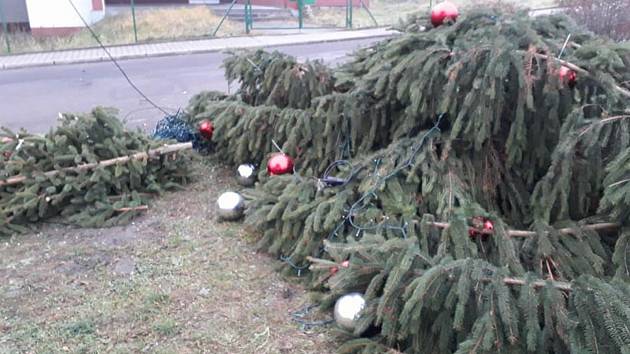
(252, 45)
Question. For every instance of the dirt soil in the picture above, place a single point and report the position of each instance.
(174, 281)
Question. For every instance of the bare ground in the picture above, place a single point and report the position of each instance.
(174, 281)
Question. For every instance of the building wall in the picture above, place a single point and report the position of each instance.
(57, 17)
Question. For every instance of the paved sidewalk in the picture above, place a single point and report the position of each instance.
(183, 47)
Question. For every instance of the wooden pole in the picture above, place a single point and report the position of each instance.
(523, 233)
(151, 154)
(318, 264)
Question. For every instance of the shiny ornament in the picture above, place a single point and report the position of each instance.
(280, 164)
(206, 129)
(231, 206)
(347, 310)
(488, 225)
(567, 76)
(245, 175)
(345, 264)
(442, 12)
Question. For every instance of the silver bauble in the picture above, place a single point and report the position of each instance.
(246, 175)
(347, 310)
(231, 206)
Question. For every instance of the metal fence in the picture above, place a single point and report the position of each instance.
(249, 18)
(134, 32)
(5, 29)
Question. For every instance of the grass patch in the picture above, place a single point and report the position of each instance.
(80, 328)
(152, 24)
(166, 327)
(198, 286)
(157, 300)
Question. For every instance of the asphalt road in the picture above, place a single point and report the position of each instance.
(32, 98)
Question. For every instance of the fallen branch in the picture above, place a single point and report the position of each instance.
(151, 154)
(523, 233)
(138, 208)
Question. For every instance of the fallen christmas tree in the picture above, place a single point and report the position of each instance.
(89, 171)
(481, 187)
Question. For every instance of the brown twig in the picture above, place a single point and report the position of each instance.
(578, 69)
(167, 149)
(318, 263)
(549, 269)
(619, 182)
(538, 284)
(523, 233)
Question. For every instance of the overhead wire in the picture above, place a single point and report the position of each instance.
(113, 60)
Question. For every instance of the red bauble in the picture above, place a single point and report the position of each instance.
(567, 76)
(488, 225)
(280, 164)
(442, 12)
(481, 227)
(206, 129)
(6, 140)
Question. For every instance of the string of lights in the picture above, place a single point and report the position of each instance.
(364, 201)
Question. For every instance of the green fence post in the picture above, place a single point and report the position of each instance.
(300, 13)
(248, 17)
(133, 15)
(5, 27)
(348, 13)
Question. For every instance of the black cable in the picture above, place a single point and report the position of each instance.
(362, 202)
(95, 36)
(299, 317)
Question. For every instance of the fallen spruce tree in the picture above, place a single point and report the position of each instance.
(89, 171)
(481, 190)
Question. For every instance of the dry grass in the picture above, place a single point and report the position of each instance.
(175, 281)
(153, 24)
(390, 12)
